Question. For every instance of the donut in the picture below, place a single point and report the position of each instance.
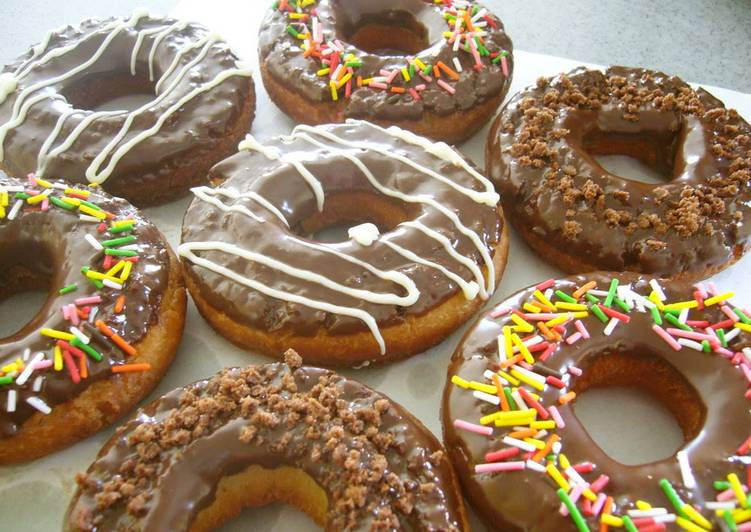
(524, 458)
(428, 249)
(109, 327)
(579, 217)
(439, 69)
(51, 124)
(339, 451)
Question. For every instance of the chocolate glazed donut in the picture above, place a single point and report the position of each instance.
(516, 484)
(111, 323)
(203, 103)
(260, 277)
(435, 69)
(579, 217)
(339, 451)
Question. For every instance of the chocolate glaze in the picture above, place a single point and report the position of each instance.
(282, 185)
(190, 133)
(302, 430)
(526, 500)
(284, 58)
(556, 190)
(51, 245)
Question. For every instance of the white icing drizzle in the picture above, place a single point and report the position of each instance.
(42, 155)
(204, 43)
(209, 195)
(8, 84)
(37, 50)
(179, 25)
(364, 234)
(251, 144)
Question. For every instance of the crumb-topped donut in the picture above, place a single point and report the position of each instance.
(579, 217)
(109, 328)
(525, 460)
(260, 277)
(341, 452)
(439, 69)
(203, 103)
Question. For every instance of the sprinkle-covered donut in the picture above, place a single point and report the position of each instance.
(524, 458)
(344, 454)
(579, 217)
(439, 69)
(109, 328)
(203, 103)
(431, 249)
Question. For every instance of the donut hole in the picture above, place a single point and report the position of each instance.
(25, 285)
(386, 30)
(643, 157)
(637, 407)
(115, 91)
(342, 211)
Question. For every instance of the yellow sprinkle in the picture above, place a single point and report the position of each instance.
(4, 199)
(695, 516)
(507, 341)
(529, 307)
(523, 325)
(58, 358)
(557, 477)
(560, 319)
(653, 297)
(583, 314)
(589, 494)
(43, 183)
(419, 63)
(565, 464)
(84, 193)
(480, 387)
(685, 524)
(643, 505)
(542, 425)
(717, 299)
(296, 16)
(303, 36)
(539, 444)
(562, 305)
(741, 516)
(99, 276)
(91, 212)
(126, 271)
(447, 34)
(71, 201)
(59, 335)
(39, 198)
(522, 349)
(367, 81)
(2, 211)
(513, 380)
(743, 326)
(682, 305)
(334, 94)
(542, 299)
(527, 380)
(120, 223)
(458, 381)
(342, 82)
(611, 520)
(116, 268)
(735, 484)
(405, 74)
(306, 3)
(324, 71)
(9, 368)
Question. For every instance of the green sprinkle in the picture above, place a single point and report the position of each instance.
(62, 204)
(621, 303)
(727, 516)
(673, 497)
(411, 70)
(564, 296)
(68, 289)
(721, 485)
(573, 511)
(504, 53)
(116, 242)
(611, 293)
(511, 403)
(22, 195)
(628, 524)
(122, 229)
(672, 319)
(6, 380)
(599, 313)
(93, 353)
(656, 315)
(705, 346)
(427, 70)
(91, 205)
(496, 59)
(121, 252)
(674, 313)
(96, 282)
(354, 63)
(592, 299)
(292, 31)
(742, 316)
(721, 335)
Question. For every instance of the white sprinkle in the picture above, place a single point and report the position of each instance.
(688, 477)
(732, 334)
(87, 218)
(92, 314)
(696, 346)
(129, 247)
(75, 331)
(489, 375)
(37, 386)
(40, 405)
(11, 406)
(610, 326)
(14, 188)
(518, 399)
(575, 477)
(524, 446)
(482, 396)
(683, 316)
(14, 210)
(60, 186)
(26, 354)
(457, 64)
(112, 284)
(530, 374)
(601, 293)
(557, 446)
(28, 370)
(534, 466)
(746, 351)
(541, 434)
(549, 293)
(94, 242)
(669, 518)
(652, 512)
(720, 505)
(658, 289)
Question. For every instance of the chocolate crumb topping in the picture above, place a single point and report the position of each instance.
(379, 470)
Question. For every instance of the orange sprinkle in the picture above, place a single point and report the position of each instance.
(542, 453)
(550, 335)
(83, 368)
(309, 49)
(606, 509)
(567, 398)
(448, 70)
(436, 72)
(119, 341)
(119, 304)
(398, 90)
(521, 434)
(359, 81)
(499, 391)
(584, 289)
(511, 361)
(131, 368)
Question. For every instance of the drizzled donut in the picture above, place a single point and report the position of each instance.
(431, 251)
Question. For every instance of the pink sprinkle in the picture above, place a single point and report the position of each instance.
(43, 364)
(582, 329)
(64, 309)
(548, 352)
(690, 334)
(744, 527)
(584, 467)
(348, 89)
(545, 285)
(698, 323)
(540, 316)
(574, 338)
(574, 371)
(32, 192)
(728, 494)
(427, 78)
(500, 466)
(93, 300)
(504, 65)
(729, 313)
(748, 394)
(665, 336)
(384, 72)
(415, 95)
(712, 288)
(702, 291)
(725, 353)
(73, 314)
(576, 492)
(391, 76)
(471, 427)
(526, 365)
(378, 85)
(599, 483)
(501, 311)
(448, 88)
(599, 503)
(746, 372)
(557, 417)
(32, 178)
(45, 204)
(420, 87)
